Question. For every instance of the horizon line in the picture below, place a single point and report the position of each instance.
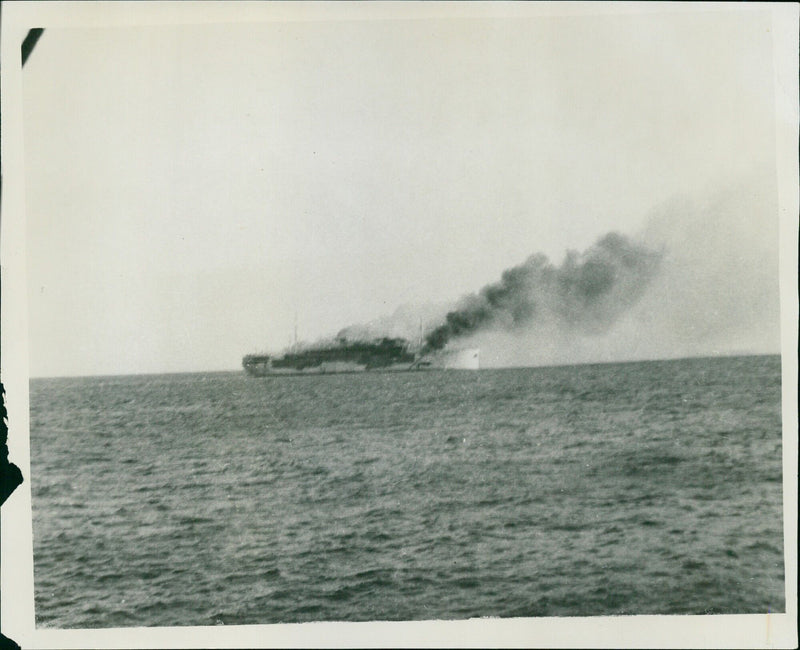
(504, 367)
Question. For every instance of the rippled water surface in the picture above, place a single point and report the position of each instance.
(201, 499)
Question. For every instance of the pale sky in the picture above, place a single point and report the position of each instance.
(189, 189)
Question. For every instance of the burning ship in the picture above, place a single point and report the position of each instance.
(587, 293)
(345, 355)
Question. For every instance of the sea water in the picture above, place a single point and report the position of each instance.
(203, 499)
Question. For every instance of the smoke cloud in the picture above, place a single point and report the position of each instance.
(586, 294)
(408, 321)
(699, 279)
(716, 290)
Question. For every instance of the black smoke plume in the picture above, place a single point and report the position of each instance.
(586, 293)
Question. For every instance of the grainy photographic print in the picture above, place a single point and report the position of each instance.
(466, 313)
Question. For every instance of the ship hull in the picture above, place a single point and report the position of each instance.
(256, 366)
(323, 369)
